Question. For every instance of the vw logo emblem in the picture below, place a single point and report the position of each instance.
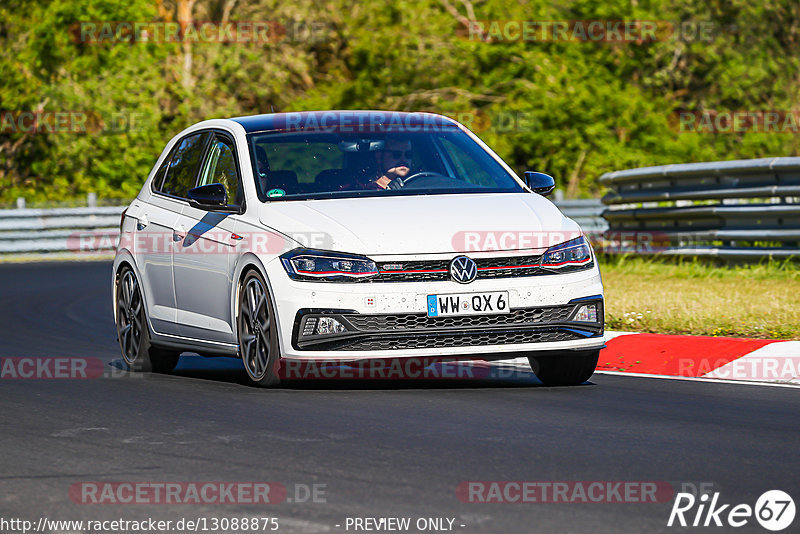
(463, 270)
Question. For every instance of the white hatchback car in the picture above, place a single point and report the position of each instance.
(350, 235)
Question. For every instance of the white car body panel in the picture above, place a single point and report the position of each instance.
(417, 225)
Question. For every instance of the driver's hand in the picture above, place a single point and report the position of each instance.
(397, 183)
(397, 172)
(393, 178)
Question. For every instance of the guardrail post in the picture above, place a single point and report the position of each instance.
(21, 203)
(91, 200)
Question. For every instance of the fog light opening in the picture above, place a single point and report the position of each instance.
(586, 314)
(329, 325)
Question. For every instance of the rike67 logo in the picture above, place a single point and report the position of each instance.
(774, 510)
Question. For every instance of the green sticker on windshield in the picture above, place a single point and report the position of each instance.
(275, 193)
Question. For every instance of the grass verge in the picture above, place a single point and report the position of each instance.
(700, 298)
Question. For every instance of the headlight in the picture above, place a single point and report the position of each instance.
(324, 266)
(573, 255)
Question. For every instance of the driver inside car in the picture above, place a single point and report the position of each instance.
(394, 163)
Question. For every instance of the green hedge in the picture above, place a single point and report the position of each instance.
(572, 109)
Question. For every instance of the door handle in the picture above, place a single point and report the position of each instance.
(142, 223)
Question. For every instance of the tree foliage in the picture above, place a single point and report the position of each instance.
(574, 109)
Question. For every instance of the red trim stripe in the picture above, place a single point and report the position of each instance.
(418, 271)
(507, 267)
(335, 272)
(566, 263)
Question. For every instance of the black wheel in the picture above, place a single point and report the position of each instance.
(566, 370)
(132, 331)
(258, 335)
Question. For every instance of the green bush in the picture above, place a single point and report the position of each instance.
(572, 109)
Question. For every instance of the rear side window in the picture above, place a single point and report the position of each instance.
(158, 179)
(182, 170)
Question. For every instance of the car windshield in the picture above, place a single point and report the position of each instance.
(304, 165)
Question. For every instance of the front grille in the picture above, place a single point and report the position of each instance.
(461, 339)
(414, 271)
(439, 270)
(516, 261)
(414, 321)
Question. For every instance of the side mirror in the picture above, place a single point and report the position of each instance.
(540, 182)
(209, 197)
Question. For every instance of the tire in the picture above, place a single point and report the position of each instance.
(258, 335)
(132, 331)
(566, 370)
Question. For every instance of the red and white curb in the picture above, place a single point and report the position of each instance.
(704, 358)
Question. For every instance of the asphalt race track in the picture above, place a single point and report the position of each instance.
(375, 448)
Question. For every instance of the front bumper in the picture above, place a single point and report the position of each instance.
(389, 320)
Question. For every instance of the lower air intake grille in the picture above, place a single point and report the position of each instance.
(412, 321)
(460, 340)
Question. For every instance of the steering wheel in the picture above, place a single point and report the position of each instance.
(404, 181)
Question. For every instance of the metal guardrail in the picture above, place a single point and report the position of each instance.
(26, 231)
(59, 231)
(726, 209)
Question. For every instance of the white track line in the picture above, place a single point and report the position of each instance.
(611, 334)
(701, 379)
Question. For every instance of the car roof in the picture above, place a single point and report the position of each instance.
(339, 119)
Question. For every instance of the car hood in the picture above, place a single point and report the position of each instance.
(425, 224)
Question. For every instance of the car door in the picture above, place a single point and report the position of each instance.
(204, 255)
(155, 223)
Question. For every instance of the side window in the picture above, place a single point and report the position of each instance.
(182, 170)
(220, 168)
(158, 179)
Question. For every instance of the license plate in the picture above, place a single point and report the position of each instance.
(468, 304)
